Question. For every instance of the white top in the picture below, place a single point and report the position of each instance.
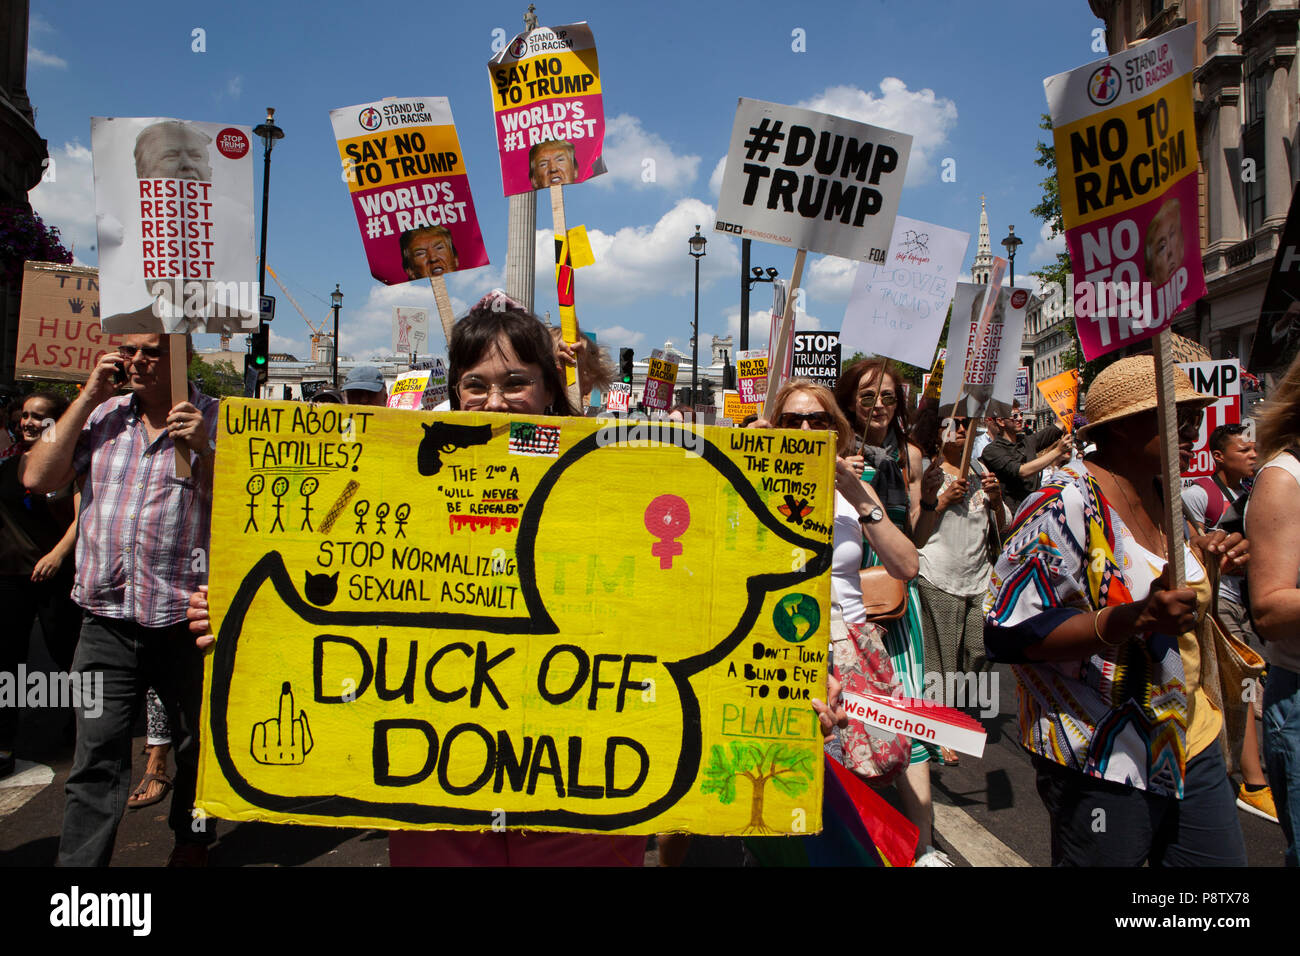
(1280, 653)
(954, 558)
(846, 590)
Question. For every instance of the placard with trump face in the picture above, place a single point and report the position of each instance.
(174, 217)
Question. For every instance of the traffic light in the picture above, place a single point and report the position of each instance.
(260, 348)
(625, 357)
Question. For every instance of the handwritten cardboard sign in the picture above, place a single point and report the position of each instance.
(897, 308)
(426, 619)
(59, 336)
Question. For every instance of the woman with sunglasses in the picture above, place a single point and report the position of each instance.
(958, 518)
(1275, 594)
(870, 394)
(1107, 656)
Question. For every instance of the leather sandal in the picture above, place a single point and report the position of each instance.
(140, 798)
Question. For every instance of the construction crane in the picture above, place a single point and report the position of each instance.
(318, 336)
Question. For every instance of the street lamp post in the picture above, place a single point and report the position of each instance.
(269, 133)
(336, 303)
(696, 244)
(1011, 242)
(746, 283)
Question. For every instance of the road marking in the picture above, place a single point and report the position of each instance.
(19, 787)
(972, 840)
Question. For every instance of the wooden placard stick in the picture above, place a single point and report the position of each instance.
(776, 362)
(1171, 483)
(443, 298)
(967, 448)
(180, 392)
(569, 316)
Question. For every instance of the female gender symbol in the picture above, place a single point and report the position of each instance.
(667, 518)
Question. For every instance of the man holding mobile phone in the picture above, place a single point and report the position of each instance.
(141, 551)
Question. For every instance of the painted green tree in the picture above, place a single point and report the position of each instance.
(788, 768)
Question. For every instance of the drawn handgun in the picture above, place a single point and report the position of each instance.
(442, 438)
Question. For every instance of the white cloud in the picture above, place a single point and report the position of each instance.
(928, 118)
(38, 24)
(67, 200)
(638, 261)
(41, 58)
(366, 332)
(715, 178)
(1047, 247)
(830, 279)
(235, 86)
(760, 325)
(615, 337)
(642, 159)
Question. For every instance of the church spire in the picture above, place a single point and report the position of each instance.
(983, 268)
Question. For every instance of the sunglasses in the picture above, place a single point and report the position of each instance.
(796, 420)
(1190, 420)
(150, 352)
(868, 399)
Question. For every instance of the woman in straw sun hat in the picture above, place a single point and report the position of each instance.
(1107, 656)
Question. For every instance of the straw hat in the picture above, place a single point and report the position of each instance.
(1128, 387)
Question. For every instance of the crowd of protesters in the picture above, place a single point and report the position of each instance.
(1045, 553)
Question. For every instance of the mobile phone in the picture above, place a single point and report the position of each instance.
(119, 375)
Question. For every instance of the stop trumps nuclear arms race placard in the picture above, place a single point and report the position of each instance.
(550, 116)
(1125, 138)
(455, 621)
(811, 181)
(410, 190)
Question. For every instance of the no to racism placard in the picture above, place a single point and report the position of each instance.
(410, 190)
(661, 376)
(1125, 137)
(980, 379)
(751, 376)
(423, 620)
(808, 180)
(550, 120)
(898, 308)
(59, 337)
(174, 218)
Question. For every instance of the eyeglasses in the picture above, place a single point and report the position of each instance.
(148, 352)
(474, 391)
(868, 399)
(960, 422)
(796, 420)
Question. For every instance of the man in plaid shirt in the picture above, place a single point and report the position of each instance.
(142, 548)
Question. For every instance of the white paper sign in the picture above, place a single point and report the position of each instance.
(913, 721)
(808, 180)
(410, 330)
(898, 308)
(174, 217)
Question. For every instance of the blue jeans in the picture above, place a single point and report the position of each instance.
(1282, 750)
(1101, 823)
(132, 659)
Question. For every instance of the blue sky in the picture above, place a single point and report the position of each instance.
(963, 78)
